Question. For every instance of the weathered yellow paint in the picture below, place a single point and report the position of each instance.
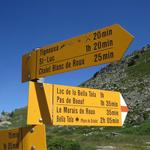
(74, 106)
(40, 98)
(10, 139)
(29, 66)
(34, 136)
(23, 138)
(98, 47)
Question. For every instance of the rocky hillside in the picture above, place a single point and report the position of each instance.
(16, 118)
(131, 77)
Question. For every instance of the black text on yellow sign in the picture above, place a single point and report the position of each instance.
(23, 138)
(94, 48)
(65, 105)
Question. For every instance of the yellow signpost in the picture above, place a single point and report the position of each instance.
(94, 48)
(67, 105)
(23, 138)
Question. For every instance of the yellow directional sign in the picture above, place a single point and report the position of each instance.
(67, 105)
(94, 48)
(26, 138)
(10, 139)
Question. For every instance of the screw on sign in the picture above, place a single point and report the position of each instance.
(98, 47)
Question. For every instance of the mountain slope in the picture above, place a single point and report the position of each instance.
(131, 77)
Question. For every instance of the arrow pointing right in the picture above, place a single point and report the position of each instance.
(94, 48)
(124, 109)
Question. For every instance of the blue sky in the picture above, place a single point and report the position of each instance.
(28, 24)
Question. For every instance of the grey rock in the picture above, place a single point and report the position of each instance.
(105, 148)
(5, 123)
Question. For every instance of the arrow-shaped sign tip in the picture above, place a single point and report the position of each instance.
(124, 109)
